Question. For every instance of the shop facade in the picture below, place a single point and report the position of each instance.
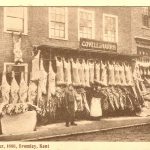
(92, 48)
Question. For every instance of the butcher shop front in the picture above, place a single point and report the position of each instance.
(106, 83)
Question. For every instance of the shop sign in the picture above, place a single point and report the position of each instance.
(97, 45)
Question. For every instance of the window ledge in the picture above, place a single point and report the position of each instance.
(143, 27)
(16, 33)
(66, 39)
(93, 38)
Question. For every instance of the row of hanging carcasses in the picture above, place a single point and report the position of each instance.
(23, 92)
(68, 71)
(14, 93)
(79, 73)
(85, 73)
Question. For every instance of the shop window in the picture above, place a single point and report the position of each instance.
(58, 23)
(86, 24)
(110, 28)
(146, 17)
(15, 19)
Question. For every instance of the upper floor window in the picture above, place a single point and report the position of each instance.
(110, 28)
(146, 17)
(86, 27)
(15, 19)
(58, 23)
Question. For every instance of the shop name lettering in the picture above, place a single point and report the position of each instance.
(98, 45)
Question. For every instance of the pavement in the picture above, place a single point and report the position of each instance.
(51, 131)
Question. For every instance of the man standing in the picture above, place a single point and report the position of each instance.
(69, 103)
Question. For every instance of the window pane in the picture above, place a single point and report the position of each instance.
(89, 23)
(62, 19)
(90, 30)
(62, 34)
(86, 25)
(89, 36)
(52, 9)
(82, 22)
(62, 10)
(57, 33)
(52, 32)
(58, 19)
(81, 29)
(57, 10)
(84, 35)
(84, 30)
(56, 26)
(52, 17)
(81, 14)
(62, 27)
(89, 16)
(110, 28)
(86, 16)
(53, 25)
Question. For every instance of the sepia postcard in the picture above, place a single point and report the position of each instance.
(74, 75)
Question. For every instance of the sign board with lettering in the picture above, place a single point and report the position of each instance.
(98, 45)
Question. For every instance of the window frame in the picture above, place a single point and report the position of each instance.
(66, 24)
(93, 22)
(116, 19)
(25, 32)
(147, 14)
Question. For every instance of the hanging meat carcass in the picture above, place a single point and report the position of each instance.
(35, 67)
(75, 72)
(91, 71)
(67, 71)
(51, 81)
(43, 78)
(5, 88)
(32, 92)
(14, 89)
(60, 71)
(23, 91)
(87, 73)
(103, 77)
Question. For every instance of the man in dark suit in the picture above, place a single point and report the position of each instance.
(69, 104)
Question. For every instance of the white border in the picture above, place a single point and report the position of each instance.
(93, 21)
(74, 3)
(66, 24)
(103, 26)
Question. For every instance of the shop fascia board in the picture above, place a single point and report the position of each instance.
(108, 53)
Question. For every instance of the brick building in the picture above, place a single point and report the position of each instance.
(63, 27)
(140, 30)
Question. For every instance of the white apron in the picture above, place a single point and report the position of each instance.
(96, 109)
